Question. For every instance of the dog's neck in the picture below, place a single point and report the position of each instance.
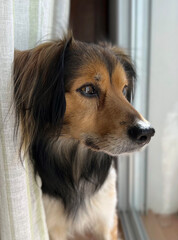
(69, 170)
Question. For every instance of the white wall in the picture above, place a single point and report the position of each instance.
(163, 112)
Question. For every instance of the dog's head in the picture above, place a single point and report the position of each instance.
(81, 91)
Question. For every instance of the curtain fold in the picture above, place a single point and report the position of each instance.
(22, 25)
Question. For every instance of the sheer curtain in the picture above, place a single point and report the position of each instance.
(22, 25)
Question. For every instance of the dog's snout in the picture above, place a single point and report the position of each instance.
(141, 135)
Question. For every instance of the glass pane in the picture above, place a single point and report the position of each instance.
(161, 220)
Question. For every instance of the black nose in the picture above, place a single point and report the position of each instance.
(141, 135)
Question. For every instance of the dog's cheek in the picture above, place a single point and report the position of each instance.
(80, 115)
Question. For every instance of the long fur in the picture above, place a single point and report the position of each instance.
(71, 170)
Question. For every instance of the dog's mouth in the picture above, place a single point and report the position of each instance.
(91, 144)
(113, 145)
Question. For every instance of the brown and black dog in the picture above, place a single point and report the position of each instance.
(72, 102)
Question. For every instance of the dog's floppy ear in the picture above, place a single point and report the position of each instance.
(49, 93)
(39, 83)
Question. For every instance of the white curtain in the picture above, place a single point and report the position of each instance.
(23, 24)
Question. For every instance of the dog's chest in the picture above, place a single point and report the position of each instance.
(94, 210)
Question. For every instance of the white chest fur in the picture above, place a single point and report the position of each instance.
(97, 217)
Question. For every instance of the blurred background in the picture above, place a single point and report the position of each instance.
(148, 31)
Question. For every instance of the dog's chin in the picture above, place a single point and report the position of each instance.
(127, 151)
(114, 149)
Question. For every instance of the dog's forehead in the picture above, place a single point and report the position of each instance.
(97, 72)
(94, 63)
(93, 53)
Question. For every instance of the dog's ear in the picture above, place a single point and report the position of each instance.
(49, 93)
(39, 82)
(127, 64)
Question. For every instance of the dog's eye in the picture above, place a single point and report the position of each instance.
(124, 91)
(88, 90)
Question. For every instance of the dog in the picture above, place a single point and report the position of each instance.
(72, 103)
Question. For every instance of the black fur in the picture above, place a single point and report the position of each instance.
(48, 97)
(58, 169)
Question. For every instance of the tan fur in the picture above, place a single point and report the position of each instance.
(106, 119)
